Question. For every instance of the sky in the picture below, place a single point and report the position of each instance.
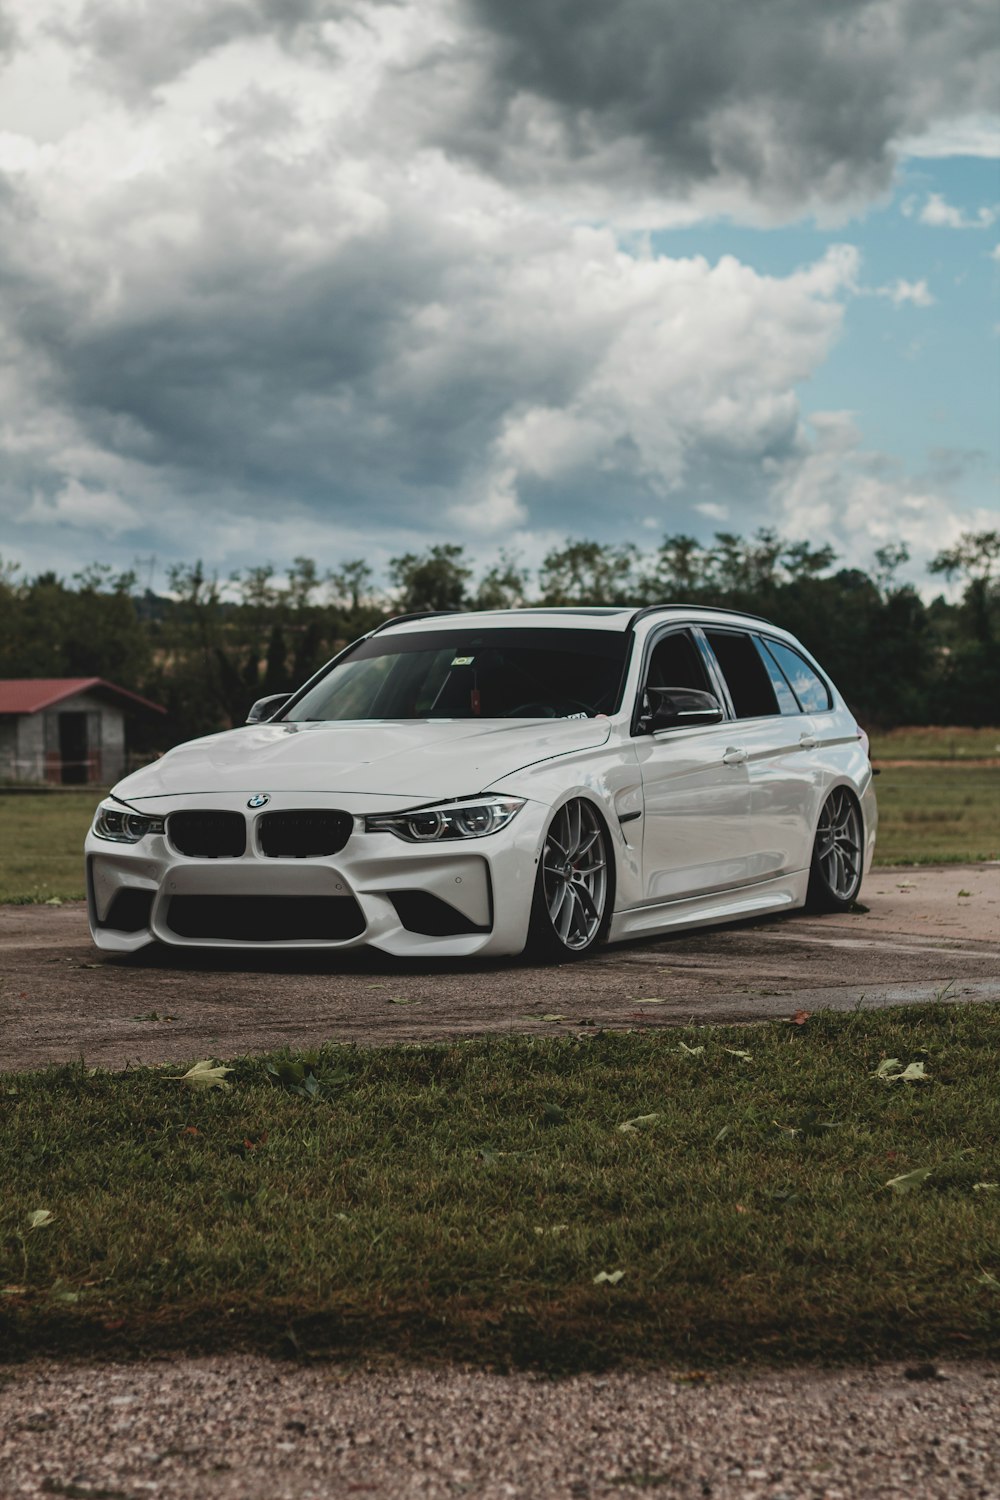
(346, 278)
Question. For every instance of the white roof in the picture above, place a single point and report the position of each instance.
(571, 617)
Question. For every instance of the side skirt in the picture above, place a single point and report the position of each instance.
(782, 894)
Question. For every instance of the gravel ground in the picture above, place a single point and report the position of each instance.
(249, 1429)
(923, 931)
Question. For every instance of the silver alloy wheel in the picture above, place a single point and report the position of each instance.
(839, 841)
(575, 874)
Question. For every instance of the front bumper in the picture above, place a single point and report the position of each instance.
(373, 892)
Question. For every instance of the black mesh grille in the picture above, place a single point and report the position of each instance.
(265, 919)
(304, 833)
(129, 911)
(209, 834)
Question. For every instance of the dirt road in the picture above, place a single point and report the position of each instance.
(60, 999)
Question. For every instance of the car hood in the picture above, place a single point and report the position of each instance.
(419, 759)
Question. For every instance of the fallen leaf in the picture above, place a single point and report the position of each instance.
(53, 901)
(801, 1017)
(612, 1278)
(203, 1075)
(13, 1291)
(553, 1114)
(691, 1051)
(986, 1187)
(909, 1180)
(190, 1130)
(650, 1002)
(550, 1228)
(891, 1070)
(639, 1122)
(402, 1000)
(735, 1052)
(965, 893)
(39, 1217)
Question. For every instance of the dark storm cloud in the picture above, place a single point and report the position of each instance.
(789, 103)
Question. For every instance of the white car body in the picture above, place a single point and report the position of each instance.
(705, 823)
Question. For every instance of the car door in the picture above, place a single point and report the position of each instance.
(696, 788)
(775, 735)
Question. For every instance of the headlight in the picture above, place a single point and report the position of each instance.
(121, 826)
(457, 820)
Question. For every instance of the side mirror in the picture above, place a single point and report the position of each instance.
(680, 708)
(266, 708)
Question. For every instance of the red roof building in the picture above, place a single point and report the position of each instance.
(66, 730)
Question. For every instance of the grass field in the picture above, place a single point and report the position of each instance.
(927, 815)
(697, 1195)
(41, 844)
(932, 815)
(936, 743)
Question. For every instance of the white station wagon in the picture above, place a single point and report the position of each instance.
(474, 784)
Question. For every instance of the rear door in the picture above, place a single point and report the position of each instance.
(696, 786)
(776, 737)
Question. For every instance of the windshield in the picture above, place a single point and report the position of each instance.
(456, 674)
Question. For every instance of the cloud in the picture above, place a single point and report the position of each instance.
(860, 500)
(334, 279)
(900, 292)
(766, 111)
(940, 214)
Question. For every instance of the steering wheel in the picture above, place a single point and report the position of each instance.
(547, 710)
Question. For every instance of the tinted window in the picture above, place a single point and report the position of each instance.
(746, 676)
(677, 662)
(811, 691)
(787, 701)
(456, 674)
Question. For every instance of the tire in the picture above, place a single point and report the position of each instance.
(574, 887)
(838, 854)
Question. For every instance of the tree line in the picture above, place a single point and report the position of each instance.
(208, 647)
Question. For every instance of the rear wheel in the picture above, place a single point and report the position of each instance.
(574, 887)
(837, 860)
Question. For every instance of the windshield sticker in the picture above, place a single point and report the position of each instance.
(463, 661)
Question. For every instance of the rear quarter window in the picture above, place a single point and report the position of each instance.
(808, 687)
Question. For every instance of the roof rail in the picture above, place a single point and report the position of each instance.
(718, 609)
(420, 614)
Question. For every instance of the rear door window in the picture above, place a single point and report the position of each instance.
(808, 687)
(747, 678)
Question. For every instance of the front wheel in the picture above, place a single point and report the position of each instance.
(574, 887)
(837, 860)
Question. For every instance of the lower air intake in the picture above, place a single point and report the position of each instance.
(304, 833)
(129, 911)
(422, 912)
(266, 919)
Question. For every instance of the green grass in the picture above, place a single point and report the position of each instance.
(932, 742)
(932, 815)
(41, 844)
(457, 1201)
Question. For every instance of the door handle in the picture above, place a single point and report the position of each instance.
(807, 742)
(735, 756)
